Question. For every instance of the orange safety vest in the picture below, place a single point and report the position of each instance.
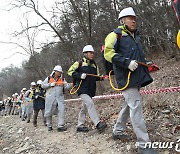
(59, 82)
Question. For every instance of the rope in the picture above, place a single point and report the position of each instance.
(128, 78)
(110, 80)
(143, 92)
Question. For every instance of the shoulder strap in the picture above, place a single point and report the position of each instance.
(80, 63)
(95, 64)
(48, 78)
(118, 32)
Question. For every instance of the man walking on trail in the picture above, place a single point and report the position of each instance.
(15, 104)
(22, 113)
(6, 104)
(10, 104)
(55, 85)
(123, 49)
(79, 71)
(29, 101)
(39, 102)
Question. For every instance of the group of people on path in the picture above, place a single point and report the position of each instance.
(123, 49)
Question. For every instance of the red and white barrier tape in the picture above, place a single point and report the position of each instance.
(160, 90)
(143, 92)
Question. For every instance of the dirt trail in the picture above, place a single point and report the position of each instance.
(162, 115)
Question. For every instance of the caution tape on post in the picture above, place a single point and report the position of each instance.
(143, 92)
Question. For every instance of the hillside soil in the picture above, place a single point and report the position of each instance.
(161, 111)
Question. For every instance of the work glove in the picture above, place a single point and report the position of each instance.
(65, 82)
(52, 84)
(36, 97)
(105, 77)
(83, 75)
(133, 65)
(101, 77)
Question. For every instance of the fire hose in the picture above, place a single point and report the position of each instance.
(110, 79)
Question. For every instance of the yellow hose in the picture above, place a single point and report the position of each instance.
(178, 39)
(110, 80)
(128, 79)
(71, 91)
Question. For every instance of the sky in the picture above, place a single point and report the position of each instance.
(11, 22)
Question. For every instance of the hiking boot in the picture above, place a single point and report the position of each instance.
(122, 137)
(82, 129)
(61, 129)
(50, 128)
(35, 124)
(101, 126)
(146, 151)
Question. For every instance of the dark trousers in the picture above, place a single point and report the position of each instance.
(36, 115)
(10, 109)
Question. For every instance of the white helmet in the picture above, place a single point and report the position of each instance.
(58, 68)
(33, 83)
(16, 94)
(127, 12)
(24, 89)
(39, 82)
(88, 48)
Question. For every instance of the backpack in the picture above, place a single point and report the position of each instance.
(108, 65)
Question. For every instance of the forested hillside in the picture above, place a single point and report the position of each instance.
(75, 23)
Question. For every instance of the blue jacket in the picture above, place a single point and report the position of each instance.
(120, 48)
(38, 103)
(88, 85)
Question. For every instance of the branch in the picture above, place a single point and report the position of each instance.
(26, 50)
(31, 27)
(39, 14)
(14, 54)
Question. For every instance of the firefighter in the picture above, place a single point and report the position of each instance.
(54, 86)
(22, 113)
(123, 49)
(39, 102)
(87, 89)
(29, 101)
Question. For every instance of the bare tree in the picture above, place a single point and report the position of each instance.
(33, 6)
